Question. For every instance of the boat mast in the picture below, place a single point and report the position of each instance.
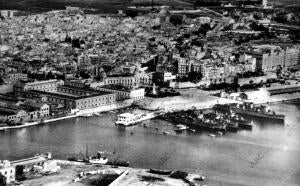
(87, 151)
(152, 4)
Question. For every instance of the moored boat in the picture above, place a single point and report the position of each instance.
(160, 171)
(99, 159)
(97, 114)
(212, 135)
(166, 133)
(119, 163)
(86, 115)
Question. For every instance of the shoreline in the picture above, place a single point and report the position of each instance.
(121, 105)
(198, 106)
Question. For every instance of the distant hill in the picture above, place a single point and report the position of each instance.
(283, 2)
(172, 3)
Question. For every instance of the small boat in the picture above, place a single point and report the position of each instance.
(192, 130)
(220, 133)
(200, 178)
(97, 114)
(145, 126)
(182, 127)
(160, 171)
(212, 135)
(165, 132)
(131, 132)
(75, 159)
(99, 159)
(119, 163)
(86, 115)
(156, 128)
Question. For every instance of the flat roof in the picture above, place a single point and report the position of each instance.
(126, 115)
(28, 161)
(42, 82)
(117, 87)
(69, 96)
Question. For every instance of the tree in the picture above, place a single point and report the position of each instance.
(176, 19)
(194, 76)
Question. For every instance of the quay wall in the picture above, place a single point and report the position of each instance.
(118, 105)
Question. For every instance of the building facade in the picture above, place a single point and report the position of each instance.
(124, 93)
(75, 98)
(45, 86)
(16, 76)
(291, 57)
(8, 171)
(125, 81)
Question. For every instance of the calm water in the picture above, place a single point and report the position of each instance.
(269, 155)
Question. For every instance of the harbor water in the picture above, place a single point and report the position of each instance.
(267, 155)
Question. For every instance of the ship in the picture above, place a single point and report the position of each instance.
(128, 119)
(248, 109)
(257, 111)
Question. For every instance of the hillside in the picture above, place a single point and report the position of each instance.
(172, 3)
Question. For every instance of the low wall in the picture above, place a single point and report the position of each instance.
(118, 181)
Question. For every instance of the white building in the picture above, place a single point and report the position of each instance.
(124, 92)
(271, 57)
(7, 170)
(291, 57)
(125, 81)
(15, 76)
(45, 86)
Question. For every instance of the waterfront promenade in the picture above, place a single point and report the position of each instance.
(189, 99)
(119, 105)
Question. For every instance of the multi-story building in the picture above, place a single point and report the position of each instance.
(272, 59)
(39, 110)
(143, 78)
(16, 76)
(46, 86)
(121, 80)
(183, 66)
(186, 66)
(13, 114)
(213, 72)
(268, 57)
(8, 171)
(123, 92)
(75, 98)
(7, 13)
(291, 57)
(75, 83)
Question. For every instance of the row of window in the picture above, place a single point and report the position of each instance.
(6, 172)
(75, 92)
